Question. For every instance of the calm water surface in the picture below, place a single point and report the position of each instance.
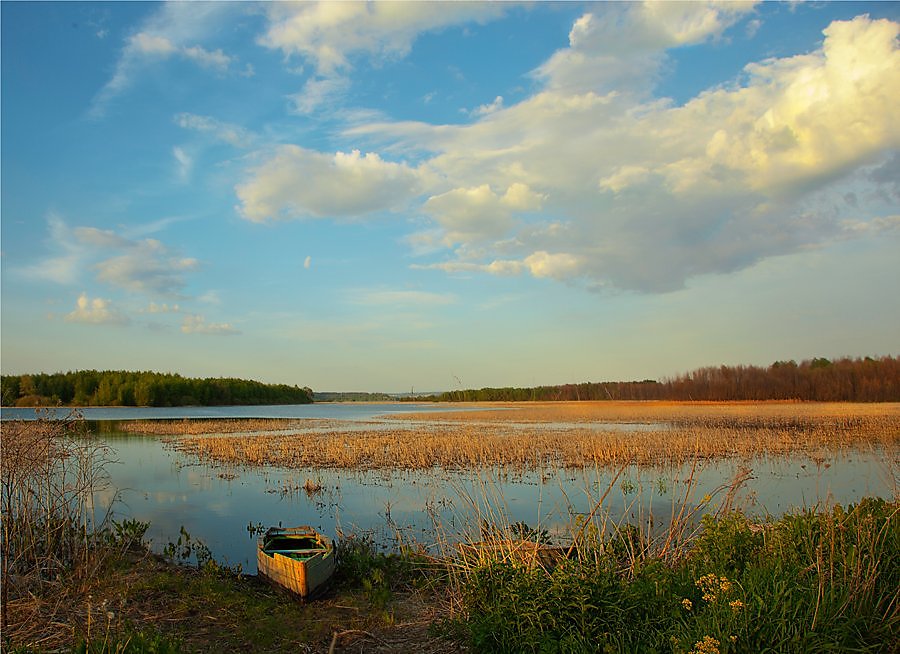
(339, 411)
(216, 504)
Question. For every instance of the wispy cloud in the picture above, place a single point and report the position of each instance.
(221, 131)
(146, 266)
(318, 92)
(403, 298)
(196, 324)
(64, 265)
(185, 163)
(329, 34)
(175, 30)
(490, 108)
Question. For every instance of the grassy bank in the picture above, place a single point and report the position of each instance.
(805, 583)
(827, 582)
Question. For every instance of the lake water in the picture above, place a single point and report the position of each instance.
(337, 411)
(216, 504)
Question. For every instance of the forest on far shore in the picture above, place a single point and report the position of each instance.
(817, 380)
(122, 388)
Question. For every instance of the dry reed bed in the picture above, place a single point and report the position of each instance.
(657, 411)
(194, 426)
(485, 444)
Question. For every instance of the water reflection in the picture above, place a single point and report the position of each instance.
(217, 504)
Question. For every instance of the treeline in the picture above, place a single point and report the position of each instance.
(352, 396)
(122, 388)
(818, 380)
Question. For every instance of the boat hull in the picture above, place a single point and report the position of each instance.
(298, 559)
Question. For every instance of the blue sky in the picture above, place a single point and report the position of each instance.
(426, 196)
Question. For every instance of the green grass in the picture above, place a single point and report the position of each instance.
(810, 582)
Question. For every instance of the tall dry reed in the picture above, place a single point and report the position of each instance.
(49, 474)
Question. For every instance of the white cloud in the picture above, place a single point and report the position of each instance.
(330, 33)
(641, 194)
(621, 45)
(196, 324)
(803, 117)
(96, 312)
(474, 214)
(300, 183)
(232, 134)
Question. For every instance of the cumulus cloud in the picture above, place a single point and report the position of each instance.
(473, 214)
(196, 324)
(95, 311)
(592, 177)
(645, 194)
(300, 183)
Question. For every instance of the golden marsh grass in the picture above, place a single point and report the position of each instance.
(188, 426)
(532, 437)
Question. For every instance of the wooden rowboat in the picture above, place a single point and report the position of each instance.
(299, 559)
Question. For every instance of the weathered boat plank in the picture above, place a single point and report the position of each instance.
(299, 559)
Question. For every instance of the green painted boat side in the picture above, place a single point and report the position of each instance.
(299, 559)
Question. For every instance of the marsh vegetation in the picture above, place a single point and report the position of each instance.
(541, 436)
